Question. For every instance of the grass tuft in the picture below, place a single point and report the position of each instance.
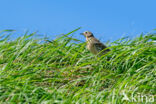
(63, 71)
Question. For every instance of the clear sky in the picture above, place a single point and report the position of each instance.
(107, 19)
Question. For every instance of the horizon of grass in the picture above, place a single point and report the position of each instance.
(36, 70)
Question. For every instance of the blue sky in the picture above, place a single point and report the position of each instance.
(107, 19)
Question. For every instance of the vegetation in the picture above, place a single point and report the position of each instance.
(63, 71)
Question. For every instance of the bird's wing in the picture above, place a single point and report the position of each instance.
(99, 46)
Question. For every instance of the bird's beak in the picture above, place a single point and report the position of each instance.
(81, 34)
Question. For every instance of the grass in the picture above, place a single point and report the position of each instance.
(63, 71)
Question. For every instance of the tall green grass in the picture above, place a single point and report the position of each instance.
(63, 71)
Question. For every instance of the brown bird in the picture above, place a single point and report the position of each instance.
(94, 45)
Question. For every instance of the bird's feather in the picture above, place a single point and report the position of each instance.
(99, 46)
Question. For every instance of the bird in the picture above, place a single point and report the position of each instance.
(94, 45)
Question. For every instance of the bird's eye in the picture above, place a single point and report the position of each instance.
(86, 32)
